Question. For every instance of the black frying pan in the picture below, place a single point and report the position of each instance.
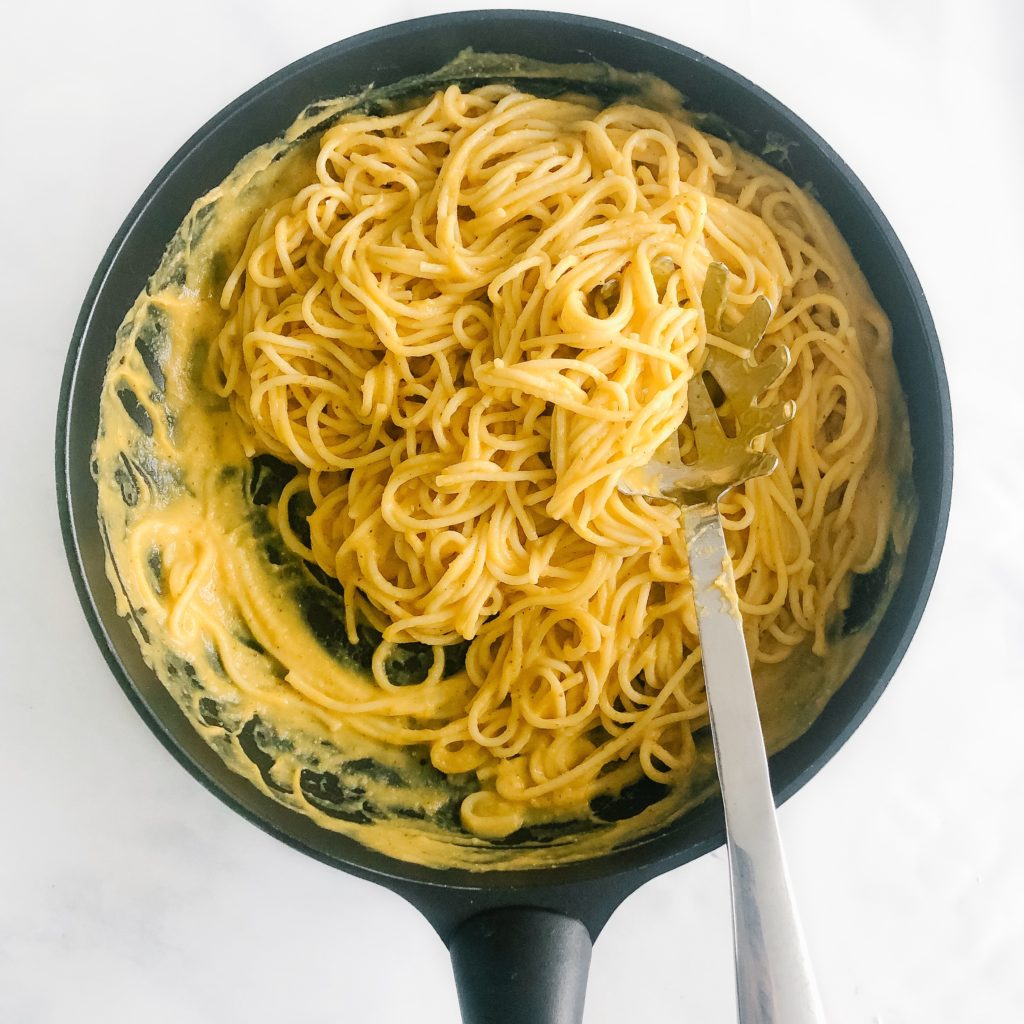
(520, 941)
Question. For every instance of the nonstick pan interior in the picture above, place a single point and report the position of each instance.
(588, 890)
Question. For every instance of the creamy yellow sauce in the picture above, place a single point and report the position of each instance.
(223, 611)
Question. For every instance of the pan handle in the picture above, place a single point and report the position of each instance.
(521, 965)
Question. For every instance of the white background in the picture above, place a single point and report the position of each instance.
(128, 893)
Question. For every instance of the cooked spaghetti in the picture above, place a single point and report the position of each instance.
(476, 318)
(461, 325)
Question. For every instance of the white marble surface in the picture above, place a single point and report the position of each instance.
(128, 893)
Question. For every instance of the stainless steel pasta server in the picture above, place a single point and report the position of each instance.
(773, 973)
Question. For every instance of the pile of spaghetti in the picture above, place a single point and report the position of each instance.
(476, 317)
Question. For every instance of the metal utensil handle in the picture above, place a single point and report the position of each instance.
(774, 979)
